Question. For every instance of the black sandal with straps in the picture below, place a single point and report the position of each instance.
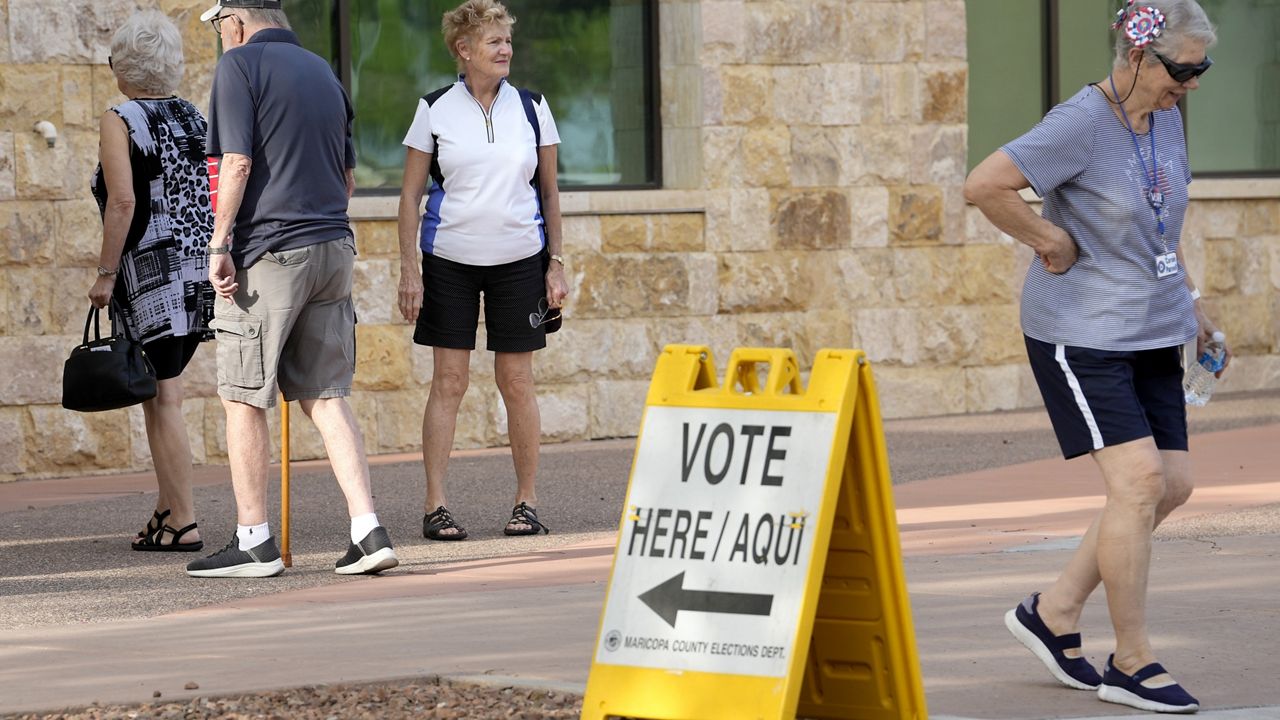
(522, 514)
(152, 542)
(441, 519)
(155, 523)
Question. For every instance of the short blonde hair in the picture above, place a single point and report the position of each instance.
(471, 18)
(146, 53)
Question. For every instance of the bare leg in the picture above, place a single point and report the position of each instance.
(249, 452)
(344, 443)
(171, 455)
(1144, 486)
(1135, 486)
(514, 372)
(1178, 484)
(449, 381)
(1060, 606)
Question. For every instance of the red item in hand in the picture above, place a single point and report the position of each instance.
(212, 163)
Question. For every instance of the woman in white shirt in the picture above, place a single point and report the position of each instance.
(492, 228)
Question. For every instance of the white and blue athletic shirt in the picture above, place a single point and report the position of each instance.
(481, 206)
(1081, 159)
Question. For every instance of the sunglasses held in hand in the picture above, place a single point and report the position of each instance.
(544, 315)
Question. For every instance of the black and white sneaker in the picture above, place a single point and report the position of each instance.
(256, 562)
(371, 555)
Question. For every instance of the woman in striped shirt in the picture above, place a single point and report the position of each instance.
(1106, 306)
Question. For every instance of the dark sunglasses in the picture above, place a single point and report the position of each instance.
(544, 315)
(1182, 72)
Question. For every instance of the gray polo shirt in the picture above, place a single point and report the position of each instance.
(281, 105)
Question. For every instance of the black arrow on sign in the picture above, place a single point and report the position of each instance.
(670, 597)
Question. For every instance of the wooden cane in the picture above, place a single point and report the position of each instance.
(284, 484)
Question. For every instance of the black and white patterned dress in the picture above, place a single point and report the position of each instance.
(163, 285)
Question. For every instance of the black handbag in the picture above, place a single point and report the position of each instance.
(107, 373)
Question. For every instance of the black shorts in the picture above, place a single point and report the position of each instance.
(1100, 398)
(451, 304)
(170, 355)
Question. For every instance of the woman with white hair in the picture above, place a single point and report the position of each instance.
(152, 188)
(1106, 307)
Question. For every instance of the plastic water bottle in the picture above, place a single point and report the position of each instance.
(1197, 386)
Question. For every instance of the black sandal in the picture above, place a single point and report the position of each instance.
(522, 514)
(441, 519)
(151, 543)
(155, 523)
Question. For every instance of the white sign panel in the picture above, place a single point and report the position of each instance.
(714, 555)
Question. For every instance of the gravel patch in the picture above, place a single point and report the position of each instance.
(1264, 520)
(430, 697)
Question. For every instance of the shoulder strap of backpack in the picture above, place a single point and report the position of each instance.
(435, 95)
(527, 99)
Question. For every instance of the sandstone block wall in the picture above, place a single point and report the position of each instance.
(813, 152)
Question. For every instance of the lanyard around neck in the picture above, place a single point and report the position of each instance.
(1151, 179)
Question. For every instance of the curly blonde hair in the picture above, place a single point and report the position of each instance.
(470, 19)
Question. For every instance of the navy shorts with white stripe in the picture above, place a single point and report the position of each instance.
(1101, 398)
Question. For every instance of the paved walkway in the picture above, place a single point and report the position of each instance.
(83, 619)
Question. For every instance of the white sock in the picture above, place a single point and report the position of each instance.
(362, 525)
(251, 536)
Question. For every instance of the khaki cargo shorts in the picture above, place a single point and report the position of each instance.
(292, 327)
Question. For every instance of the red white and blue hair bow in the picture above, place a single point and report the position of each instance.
(1142, 25)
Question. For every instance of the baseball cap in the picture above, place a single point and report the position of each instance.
(212, 12)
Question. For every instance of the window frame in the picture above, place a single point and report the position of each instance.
(341, 40)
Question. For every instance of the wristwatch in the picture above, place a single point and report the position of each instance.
(103, 272)
(217, 249)
(559, 259)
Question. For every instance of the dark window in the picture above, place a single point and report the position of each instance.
(1027, 55)
(1233, 120)
(594, 60)
(1006, 78)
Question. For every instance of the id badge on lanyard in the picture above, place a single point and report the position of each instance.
(1166, 262)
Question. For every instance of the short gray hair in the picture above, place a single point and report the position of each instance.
(146, 53)
(1184, 20)
(270, 18)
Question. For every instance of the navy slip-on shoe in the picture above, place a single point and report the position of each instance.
(1128, 690)
(1025, 624)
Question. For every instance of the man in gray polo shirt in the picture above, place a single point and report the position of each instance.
(281, 260)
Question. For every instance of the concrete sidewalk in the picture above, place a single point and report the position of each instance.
(86, 620)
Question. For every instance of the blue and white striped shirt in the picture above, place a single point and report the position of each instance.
(1081, 159)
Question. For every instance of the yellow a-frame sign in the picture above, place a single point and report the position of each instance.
(757, 572)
